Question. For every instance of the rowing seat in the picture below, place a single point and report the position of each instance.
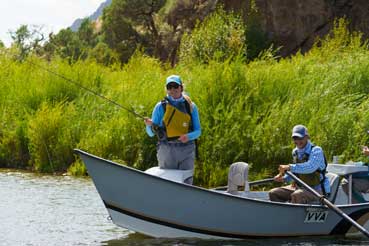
(334, 182)
(238, 178)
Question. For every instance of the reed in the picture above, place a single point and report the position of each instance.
(247, 110)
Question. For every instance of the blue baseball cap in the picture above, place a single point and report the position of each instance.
(175, 79)
(300, 131)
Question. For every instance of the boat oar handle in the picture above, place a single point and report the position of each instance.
(330, 205)
(262, 181)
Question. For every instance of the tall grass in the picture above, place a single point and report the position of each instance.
(247, 111)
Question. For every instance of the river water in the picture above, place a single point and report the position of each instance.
(62, 210)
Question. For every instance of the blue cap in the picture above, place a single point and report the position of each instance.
(175, 79)
(300, 131)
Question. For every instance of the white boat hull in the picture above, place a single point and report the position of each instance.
(154, 229)
(163, 208)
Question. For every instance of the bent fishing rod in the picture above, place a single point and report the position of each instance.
(85, 88)
(155, 127)
(75, 83)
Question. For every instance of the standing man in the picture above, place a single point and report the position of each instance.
(309, 164)
(175, 120)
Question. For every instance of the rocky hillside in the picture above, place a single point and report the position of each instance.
(290, 24)
(77, 23)
(295, 24)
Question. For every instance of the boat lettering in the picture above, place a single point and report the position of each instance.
(314, 215)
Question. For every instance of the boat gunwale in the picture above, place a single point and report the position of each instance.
(216, 192)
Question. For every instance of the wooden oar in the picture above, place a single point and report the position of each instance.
(252, 183)
(330, 205)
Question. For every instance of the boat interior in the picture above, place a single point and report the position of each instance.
(239, 185)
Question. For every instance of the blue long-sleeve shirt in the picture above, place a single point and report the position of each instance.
(316, 161)
(158, 114)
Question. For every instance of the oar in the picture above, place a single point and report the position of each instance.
(252, 183)
(330, 205)
(262, 181)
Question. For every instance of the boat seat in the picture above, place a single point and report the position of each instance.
(171, 174)
(238, 178)
(334, 182)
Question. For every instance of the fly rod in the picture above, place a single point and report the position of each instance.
(85, 88)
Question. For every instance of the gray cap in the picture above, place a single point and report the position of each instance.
(300, 131)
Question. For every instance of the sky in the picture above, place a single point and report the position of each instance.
(50, 15)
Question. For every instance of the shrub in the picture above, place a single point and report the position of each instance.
(51, 138)
(220, 36)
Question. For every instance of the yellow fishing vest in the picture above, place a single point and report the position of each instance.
(177, 120)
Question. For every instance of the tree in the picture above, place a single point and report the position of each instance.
(182, 16)
(220, 36)
(73, 45)
(86, 33)
(103, 54)
(27, 40)
(141, 13)
(66, 44)
(128, 24)
(117, 32)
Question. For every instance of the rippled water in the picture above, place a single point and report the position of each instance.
(61, 210)
(52, 210)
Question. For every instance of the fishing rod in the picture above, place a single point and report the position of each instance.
(85, 88)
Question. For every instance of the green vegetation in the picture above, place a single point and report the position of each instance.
(218, 37)
(247, 110)
(155, 27)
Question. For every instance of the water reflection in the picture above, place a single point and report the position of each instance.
(136, 239)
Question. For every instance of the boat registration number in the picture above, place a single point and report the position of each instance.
(315, 215)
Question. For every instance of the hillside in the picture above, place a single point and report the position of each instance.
(291, 25)
(295, 24)
(93, 17)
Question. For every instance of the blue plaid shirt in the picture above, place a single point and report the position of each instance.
(316, 161)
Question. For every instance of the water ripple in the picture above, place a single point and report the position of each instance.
(52, 210)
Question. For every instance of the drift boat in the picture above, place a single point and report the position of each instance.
(158, 204)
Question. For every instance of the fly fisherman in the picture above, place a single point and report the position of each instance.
(309, 164)
(175, 120)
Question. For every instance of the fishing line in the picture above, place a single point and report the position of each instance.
(83, 87)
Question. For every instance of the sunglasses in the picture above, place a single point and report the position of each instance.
(297, 138)
(172, 86)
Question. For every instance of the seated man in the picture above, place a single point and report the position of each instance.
(360, 182)
(309, 164)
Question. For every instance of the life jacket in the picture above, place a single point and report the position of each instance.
(311, 179)
(177, 120)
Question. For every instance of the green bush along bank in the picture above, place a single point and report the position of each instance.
(247, 110)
